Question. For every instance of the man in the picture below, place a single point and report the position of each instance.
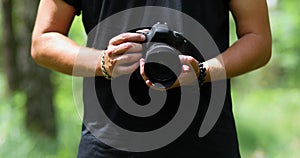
(53, 49)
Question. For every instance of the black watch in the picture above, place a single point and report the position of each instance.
(202, 74)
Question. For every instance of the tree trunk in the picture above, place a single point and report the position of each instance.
(34, 80)
(37, 81)
(9, 47)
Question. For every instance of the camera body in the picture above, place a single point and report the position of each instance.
(162, 49)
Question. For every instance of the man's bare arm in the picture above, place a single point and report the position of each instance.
(53, 49)
(253, 48)
(50, 45)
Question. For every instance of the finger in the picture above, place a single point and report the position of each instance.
(142, 69)
(185, 68)
(143, 31)
(124, 48)
(128, 69)
(147, 81)
(176, 84)
(142, 72)
(185, 59)
(189, 61)
(136, 47)
(128, 58)
(195, 64)
(119, 49)
(127, 37)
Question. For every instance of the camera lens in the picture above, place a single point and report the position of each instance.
(162, 65)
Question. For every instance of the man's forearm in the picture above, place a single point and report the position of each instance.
(250, 52)
(57, 52)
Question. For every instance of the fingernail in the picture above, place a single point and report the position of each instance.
(186, 68)
(143, 37)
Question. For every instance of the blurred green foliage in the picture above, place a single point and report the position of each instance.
(266, 101)
(16, 141)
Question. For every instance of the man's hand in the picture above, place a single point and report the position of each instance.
(190, 72)
(123, 54)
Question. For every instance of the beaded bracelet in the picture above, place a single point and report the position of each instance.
(202, 74)
(104, 72)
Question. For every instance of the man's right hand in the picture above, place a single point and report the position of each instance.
(123, 54)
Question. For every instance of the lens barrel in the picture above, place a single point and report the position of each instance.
(162, 65)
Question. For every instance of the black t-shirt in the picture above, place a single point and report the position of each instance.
(221, 141)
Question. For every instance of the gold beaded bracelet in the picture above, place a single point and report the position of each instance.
(104, 72)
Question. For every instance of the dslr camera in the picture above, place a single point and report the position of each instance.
(162, 48)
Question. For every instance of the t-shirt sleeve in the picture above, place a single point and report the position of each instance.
(76, 4)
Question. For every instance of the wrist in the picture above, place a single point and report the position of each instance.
(103, 70)
(202, 73)
(99, 64)
(207, 77)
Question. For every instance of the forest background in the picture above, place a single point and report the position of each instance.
(38, 116)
